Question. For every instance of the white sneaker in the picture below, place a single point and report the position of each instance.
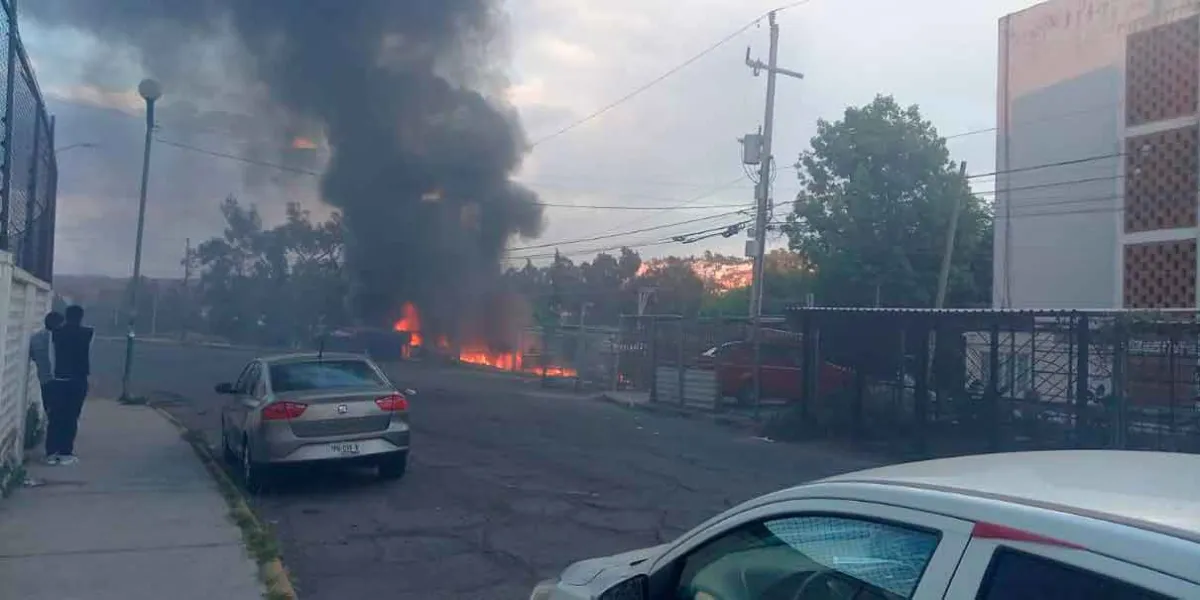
(53, 459)
(68, 459)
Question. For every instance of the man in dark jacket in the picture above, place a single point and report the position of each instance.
(72, 366)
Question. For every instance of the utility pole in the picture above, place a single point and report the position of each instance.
(154, 312)
(948, 254)
(763, 194)
(187, 289)
(944, 276)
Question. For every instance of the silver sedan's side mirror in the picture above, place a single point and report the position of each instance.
(634, 588)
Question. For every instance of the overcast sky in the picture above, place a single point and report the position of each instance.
(675, 142)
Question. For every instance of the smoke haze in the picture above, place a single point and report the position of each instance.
(401, 92)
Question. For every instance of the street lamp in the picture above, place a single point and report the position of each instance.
(150, 91)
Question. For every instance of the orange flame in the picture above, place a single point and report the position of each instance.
(303, 143)
(476, 353)
(410, 323)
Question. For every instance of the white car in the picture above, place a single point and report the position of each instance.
(1063, 525)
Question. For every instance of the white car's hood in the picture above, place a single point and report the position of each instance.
(585, 571)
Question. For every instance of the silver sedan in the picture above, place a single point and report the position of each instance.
(306, 408)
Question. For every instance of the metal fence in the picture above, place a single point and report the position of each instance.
(930, 383)
(708, 363)
(582, 357)
(29, 170)
(952, 382)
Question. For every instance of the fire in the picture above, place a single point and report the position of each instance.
(303, 143)
(410, 323)
(507, 361)
(475, 353)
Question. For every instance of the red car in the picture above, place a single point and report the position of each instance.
(782, 367)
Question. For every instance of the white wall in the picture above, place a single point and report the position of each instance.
(1060, 222)
(24, 301)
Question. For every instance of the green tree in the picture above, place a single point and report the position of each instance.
(678, 290)
(273, 285)
(787, 281)
(877, 193)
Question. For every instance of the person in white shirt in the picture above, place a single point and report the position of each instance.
(41, 352)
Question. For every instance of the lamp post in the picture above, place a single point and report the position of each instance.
(150, 90)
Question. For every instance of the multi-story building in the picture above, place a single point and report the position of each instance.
(1098, 171)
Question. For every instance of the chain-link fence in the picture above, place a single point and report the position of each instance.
(29, 170)
(952, 382)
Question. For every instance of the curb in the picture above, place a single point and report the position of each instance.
(255, 534)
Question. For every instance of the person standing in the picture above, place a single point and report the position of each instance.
(41, 352)
(72, 366)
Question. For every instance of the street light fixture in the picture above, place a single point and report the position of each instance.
(150, 91)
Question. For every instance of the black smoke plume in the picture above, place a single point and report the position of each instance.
(408, 100)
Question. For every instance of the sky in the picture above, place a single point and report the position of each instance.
(673, 143)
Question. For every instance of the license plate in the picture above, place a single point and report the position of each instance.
(345, 448)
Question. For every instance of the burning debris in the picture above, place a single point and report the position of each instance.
(421, 142)
(526, 358)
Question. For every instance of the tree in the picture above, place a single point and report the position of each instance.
(678, 290)
(605, 285)
(272, 285)
(787, 281)
(877, 192)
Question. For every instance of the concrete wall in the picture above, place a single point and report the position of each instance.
(1060, 223)
(1061, 97)
(24, 301)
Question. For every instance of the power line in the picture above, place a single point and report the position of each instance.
(643, 230)
(647, 243)
(625, 233)
(235, 157)
(663, 77)
(1062, 163)
(1032, 121)
(1048, 185)
(302, 171)
(625, 207)
(683, 205)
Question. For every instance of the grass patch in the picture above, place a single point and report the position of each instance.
(11, 477)
(259, 540)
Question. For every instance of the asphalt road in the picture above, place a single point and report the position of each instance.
(507, 484)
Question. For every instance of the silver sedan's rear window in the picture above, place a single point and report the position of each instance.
(323, 375)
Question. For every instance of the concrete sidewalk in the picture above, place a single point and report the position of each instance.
(138, 518)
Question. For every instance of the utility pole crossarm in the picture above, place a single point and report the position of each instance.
(759, 65)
